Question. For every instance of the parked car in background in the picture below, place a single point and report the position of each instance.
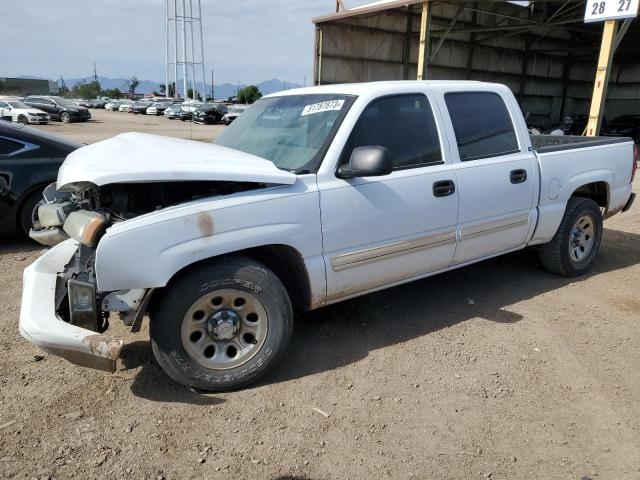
(112, 105)
(210, 113)
(623, 126)
(188, 107)
(83, 102)
(141, 106)
(29, 161)
(234, 112)
(17, 111)
(316, 196)
(125, 106)
(59, 108)
(97, 103)
(159, 106)
(173, 112)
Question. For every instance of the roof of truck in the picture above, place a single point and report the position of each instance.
(368, 87)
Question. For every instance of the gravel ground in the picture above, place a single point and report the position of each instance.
(104, 124)
(498, 370)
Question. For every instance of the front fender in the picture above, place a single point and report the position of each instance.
(148, 252)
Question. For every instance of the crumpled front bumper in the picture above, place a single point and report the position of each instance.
(40, 325)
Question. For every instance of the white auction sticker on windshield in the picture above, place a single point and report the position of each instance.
(322, 107)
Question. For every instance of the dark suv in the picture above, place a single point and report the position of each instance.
(210, 113)
(624, 126)
(59, 108)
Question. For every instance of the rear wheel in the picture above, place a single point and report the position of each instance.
(577, 241)
(222, 326)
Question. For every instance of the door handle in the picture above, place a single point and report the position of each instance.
(518, 176)
(444, 188)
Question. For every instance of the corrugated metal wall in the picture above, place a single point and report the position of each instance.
(373, 47)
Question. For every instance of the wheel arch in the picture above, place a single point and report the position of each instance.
(285, 262)
(598, 191)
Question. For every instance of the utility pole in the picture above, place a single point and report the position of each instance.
(95, 73)
(213, 95)
(185, 79)
(166, 54)
(202, 49)
(176, 95)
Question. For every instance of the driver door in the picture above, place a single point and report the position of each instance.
(378, 231)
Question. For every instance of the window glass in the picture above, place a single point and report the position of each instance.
(292, 131)
(3, 105)
(8, 147)
(482, 125)
(405, 125)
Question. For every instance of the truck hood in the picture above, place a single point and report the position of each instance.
(141, 158)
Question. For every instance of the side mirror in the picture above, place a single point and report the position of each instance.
(369, 161)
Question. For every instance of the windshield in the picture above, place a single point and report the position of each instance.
(18, 105)
(291, 131)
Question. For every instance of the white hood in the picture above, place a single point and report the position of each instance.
(141, 157)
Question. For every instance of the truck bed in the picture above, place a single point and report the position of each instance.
(555, 143)
(569, 162)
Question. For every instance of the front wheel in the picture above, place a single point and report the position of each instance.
(577, 241)
(22, 119)
(222, 326)
(65, 117)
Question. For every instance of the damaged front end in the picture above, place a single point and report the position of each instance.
(54, 296)
(63, 311)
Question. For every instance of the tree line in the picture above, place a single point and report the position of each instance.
(93, 89)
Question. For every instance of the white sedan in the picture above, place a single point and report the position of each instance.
(125, 107)
(22, 113)
(112, 105)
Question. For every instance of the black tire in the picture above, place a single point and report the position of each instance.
(555, 255)
(240, 274)
(65, 117)
(23, 119)
(28, 212)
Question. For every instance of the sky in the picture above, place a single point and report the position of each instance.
(245, 41)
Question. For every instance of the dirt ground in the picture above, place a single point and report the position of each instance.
(499, 370)
(104, 124)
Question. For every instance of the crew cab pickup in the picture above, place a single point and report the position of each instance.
(310, 197)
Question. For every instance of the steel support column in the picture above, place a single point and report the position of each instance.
(423, 55)
(602, 78)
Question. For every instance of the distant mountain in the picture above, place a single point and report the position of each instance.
(223, 90)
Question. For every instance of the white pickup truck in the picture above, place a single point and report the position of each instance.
(311, 197)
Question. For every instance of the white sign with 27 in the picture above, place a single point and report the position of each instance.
(599, 10)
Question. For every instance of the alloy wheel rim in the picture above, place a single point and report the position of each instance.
(224, 329)
(581, 239)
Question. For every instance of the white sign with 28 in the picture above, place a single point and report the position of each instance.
(599, 10)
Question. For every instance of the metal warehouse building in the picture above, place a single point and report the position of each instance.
(27, 86)
(541, 49)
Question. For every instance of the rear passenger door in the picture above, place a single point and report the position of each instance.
(382, 230)
(496, 171)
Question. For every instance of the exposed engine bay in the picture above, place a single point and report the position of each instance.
(125, 201)
(84, 214)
